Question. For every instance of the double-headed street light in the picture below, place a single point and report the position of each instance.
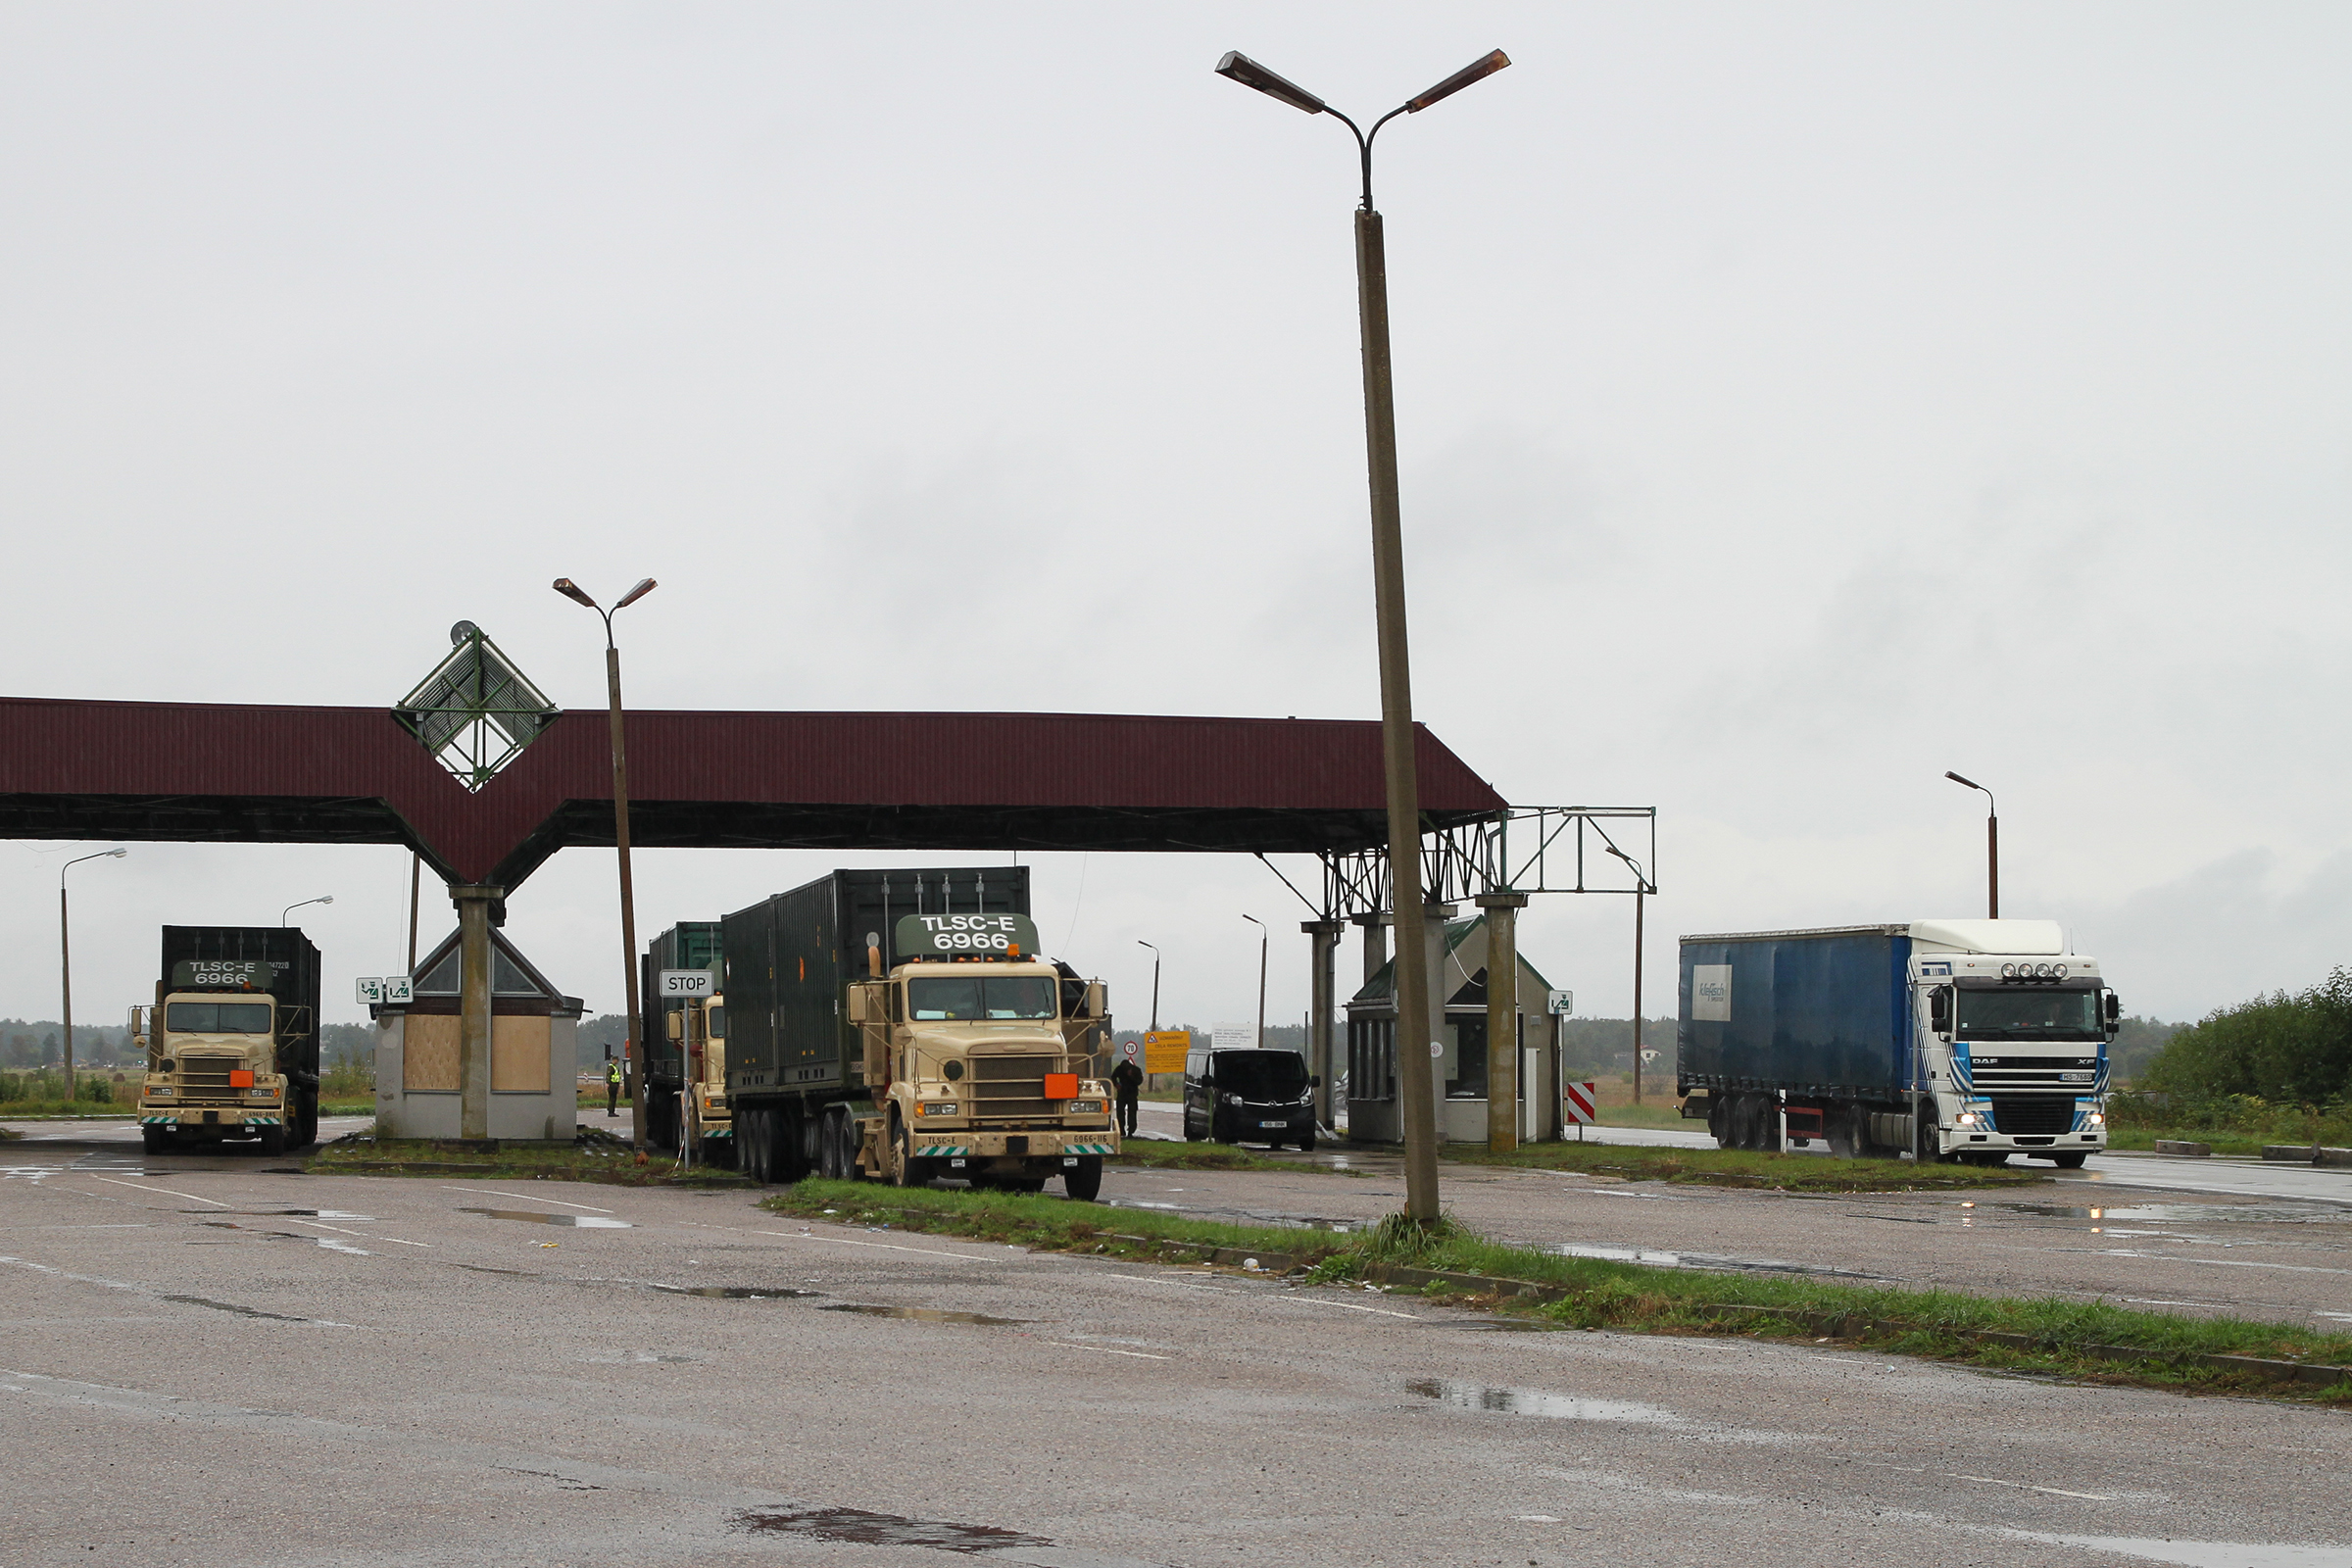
(621, 838)
(324, 898)
(1992, 847)
(65, 955)
(1413, 1019)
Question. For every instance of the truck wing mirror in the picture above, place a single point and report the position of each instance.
(1095, 1000)
(2114, 1010)
(1940, 1009)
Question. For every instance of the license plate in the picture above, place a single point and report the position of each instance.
(1273, 1124)
(2074, 1077)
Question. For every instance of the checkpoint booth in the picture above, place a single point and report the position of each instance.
(1374, 1111)
(534, 1039)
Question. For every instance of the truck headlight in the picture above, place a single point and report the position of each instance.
(2095, 1119)
(159, 1089)
(936, 1108)
(1084, 1107)
(1968, 1118)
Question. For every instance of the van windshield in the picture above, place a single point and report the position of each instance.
(1260, 1074)
(217, 1019)
(958, 999)
(2018, 1014)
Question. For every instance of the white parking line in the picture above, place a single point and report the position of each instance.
(529, 1197)
(364, 1236)
(144, 1187)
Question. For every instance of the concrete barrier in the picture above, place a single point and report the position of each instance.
(2187, 1150)
(2307, 1155)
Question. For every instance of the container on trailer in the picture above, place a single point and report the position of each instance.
(688, 945)
(1816, 1013)
(279, 959)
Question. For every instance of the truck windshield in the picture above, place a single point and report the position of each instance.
(961, 1000)
(2018, 1014)
(1260, 1074)
(218, 1017)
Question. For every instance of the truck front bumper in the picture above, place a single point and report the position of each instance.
(193, 1116)
(977, 1145)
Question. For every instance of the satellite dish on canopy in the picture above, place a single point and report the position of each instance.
(463, 630)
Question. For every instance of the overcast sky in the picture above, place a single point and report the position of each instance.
(1795, 402)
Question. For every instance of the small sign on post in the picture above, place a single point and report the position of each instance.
(1577, 1101)
(1563, 1002)
(690, 983)
(376, 991)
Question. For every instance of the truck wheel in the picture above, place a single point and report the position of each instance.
(828, 1146)
(273, 1140)
(1838, 1122)
(1924, 1146)
(906, 1169)
(157, 1139)
(1083, 1180)
(2072, 1160)
(759, 1136)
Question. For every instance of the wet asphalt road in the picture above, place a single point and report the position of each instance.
(210, 1362)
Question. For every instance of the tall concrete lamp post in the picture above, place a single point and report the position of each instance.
(621, 838)
(324, 898)
(1992, 847)
(1413, 1018)
(65, 955)
(1140, 943)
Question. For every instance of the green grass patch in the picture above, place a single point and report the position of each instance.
(2143, 1140)
(2062, 1337)
(597, 1161)
(1740, 1167)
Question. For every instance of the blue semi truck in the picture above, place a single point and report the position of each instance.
(1951, 1040)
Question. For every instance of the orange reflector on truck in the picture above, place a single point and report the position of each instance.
(1061, 1086)
(239, 1078)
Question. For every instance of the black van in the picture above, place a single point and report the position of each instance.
(1250, 1096)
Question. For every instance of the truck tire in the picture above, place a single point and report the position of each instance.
(2072, 1160)
(273, 1140)
(828, 1146)
(1082, 1181)
(157, 1139)
(755, 1132)
(1922, 1147)
(906, 1169)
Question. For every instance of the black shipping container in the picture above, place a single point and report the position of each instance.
(790, 959)
(291, 976)
(688, 945)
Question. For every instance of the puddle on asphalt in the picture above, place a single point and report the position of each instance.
(2201, 1554)
(1659, 1259)
(2188, 1213)
(1535, 1402)
(923, 1314)
(737, 1292)
(585, 1222)
(859, 1528)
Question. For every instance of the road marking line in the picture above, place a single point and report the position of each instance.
(529, 1197)
(364, 1236)
(1104, 1350)
(144, 1187)
(2026, 1486)
(1345, 1306)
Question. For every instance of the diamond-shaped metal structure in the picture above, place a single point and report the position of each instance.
(476, 710)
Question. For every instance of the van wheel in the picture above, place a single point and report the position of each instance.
(1306, 1144)
(1083, 1180)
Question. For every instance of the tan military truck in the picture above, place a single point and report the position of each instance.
(706, 1030)
(232, 1040)
(869, 1042)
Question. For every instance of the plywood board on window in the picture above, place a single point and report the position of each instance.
(519, 1052)
(428, 1053)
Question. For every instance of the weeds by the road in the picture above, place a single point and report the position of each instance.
(1153, 1154)
(2049, 1335)
(599, 1160)
(1737, 1167)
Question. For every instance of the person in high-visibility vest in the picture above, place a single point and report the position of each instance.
(612, 1088)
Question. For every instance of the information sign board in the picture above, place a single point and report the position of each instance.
(1232, 1036)
(377, 990)
(677, 983)
(1563, 1002)
(1164, 1050)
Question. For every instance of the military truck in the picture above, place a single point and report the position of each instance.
(903, 1025)
(682, 1042)
(231, 1041)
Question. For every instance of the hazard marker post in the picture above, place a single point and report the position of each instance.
(1577, 1101)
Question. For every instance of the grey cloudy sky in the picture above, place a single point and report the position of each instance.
(1795, 402)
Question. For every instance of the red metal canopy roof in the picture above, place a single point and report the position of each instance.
(233, 773)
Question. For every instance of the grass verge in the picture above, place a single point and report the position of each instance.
(1738, 1167)
(610, 1164)
(1153, 1154)
(2090, 1340)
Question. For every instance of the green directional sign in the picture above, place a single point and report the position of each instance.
(966, 936)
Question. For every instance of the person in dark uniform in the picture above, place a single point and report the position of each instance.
(612, 1088)
(1128, 1079)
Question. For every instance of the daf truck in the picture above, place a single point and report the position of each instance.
(903, 1026)
(231, 1041)
(1947, 1039)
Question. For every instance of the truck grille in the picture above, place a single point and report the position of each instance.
(2020, 1114)
(1011, 1086)
(1992, 1075)
(204, 1080)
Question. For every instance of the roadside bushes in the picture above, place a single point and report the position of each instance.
(48, 1088)
(2286, 1051)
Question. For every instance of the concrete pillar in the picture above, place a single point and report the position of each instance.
(1375, 941)
(1326, 934)
(474, 1006)
(1432, 1028)
(1503, 1018)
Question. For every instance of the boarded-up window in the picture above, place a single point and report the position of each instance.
(519, 1055)
(428, 1053)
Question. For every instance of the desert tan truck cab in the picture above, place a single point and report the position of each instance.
(231, 1041)
(980, 1065)
(706, 1026)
